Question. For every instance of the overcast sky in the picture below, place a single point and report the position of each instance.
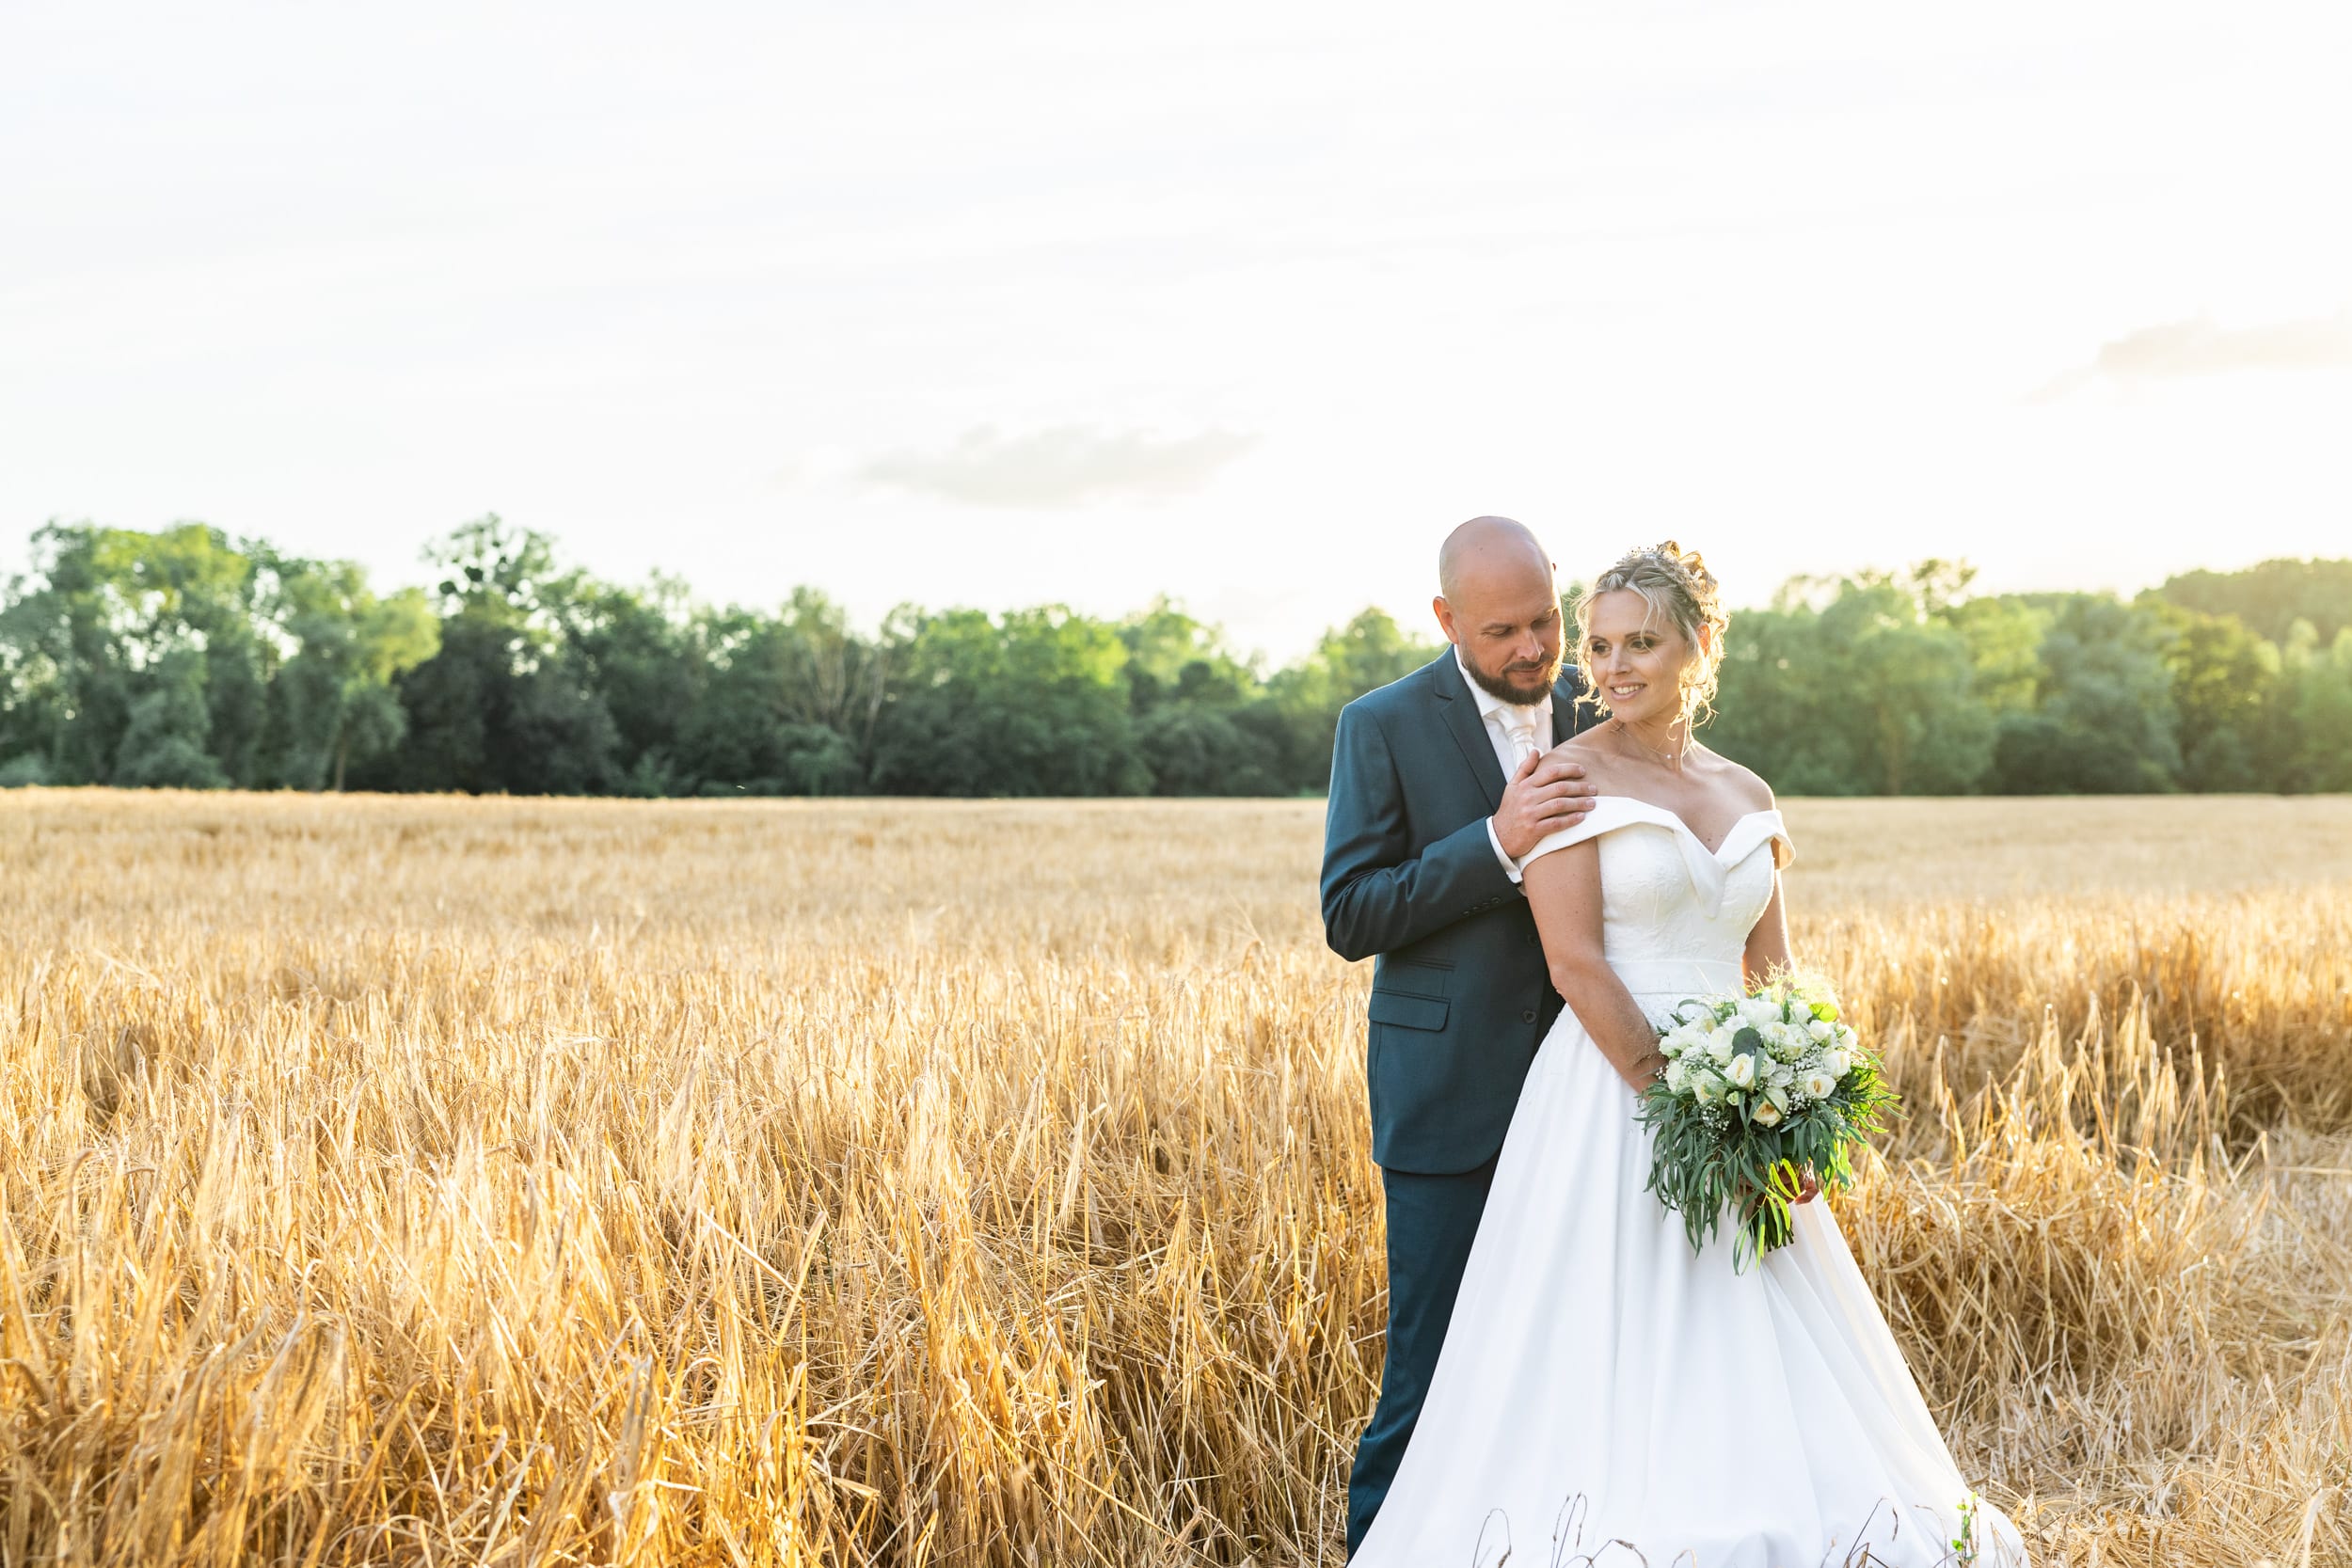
(1012, 303)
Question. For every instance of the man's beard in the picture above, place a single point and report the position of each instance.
(1523, 684)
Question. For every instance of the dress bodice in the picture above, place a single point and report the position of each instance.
(1675, 914)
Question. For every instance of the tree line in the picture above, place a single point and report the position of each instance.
(181, 658)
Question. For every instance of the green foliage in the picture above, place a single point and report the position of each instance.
(2317, 705)
(170, 722)
(1872, 693)
(1366, 654)
(2226, 695)
(332, 701)
(2103, 721)
(2272, 597)
(507, 704)
(181, 658)
(1029, 703)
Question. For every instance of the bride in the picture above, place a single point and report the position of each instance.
(1604, 1396)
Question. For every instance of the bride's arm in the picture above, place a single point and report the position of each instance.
(1767, 952)
(1564, 890)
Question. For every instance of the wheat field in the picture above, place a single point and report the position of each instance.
(432, 1180)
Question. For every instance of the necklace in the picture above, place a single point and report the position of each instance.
(1671, 761)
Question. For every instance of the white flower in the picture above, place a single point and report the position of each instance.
(1822, 1029)
(1678, 1077)
(1766, 1114)
(1784, 1041)
(1819, 1084)
(1721, 1044)
(1760, 1010)
(1742, 1069)
(1835, 1063)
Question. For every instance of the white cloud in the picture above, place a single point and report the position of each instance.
(2203, 347)
(1068, 465)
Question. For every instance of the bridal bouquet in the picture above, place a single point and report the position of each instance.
(1757, 1090)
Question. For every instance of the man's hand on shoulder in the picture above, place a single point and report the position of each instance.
(1549, 792)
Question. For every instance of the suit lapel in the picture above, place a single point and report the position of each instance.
(1567, 719)
(1470, 730)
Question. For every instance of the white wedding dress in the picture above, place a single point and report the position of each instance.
(1604, 1395)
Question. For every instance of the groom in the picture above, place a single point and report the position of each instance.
(1438, 785)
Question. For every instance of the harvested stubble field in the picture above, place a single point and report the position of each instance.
(439, 1180)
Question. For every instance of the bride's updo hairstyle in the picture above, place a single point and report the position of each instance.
(1679, 590)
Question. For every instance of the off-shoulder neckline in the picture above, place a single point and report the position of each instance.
(1675, 818)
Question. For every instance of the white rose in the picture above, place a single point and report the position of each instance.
(1835, 1063)
(1721, 1044)
(1785, 1041)
(1760, 1010)
(1766, 1114)
(1822, 1029)
(1819, 1084)
(1741, 1070)
(1678, 1077)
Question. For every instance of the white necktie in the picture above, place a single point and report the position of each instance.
(1519, 728)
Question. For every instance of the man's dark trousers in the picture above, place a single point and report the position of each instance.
(1431, 1221)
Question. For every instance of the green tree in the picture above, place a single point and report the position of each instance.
(170, 723)
(2004, 639)
(1031, 703)
(643, 653)
(2317, 704)
(2271, 598)
(332, 701)
(506, 705)
(1366, 654)
(2226, 690)
(1872, 692)
(788, 705)
(116, 629)
(2103, 721)
(1204, 725)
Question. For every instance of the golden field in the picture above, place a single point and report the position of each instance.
(485, 1181)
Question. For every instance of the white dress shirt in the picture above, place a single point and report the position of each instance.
(1510, 727)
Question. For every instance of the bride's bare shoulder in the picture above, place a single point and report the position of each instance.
(1599, 762)
(1743, 785)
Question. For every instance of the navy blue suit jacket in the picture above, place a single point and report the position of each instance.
(1461, 995)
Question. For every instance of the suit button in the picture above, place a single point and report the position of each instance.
(1528, 1017)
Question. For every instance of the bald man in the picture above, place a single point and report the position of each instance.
(1440, 782)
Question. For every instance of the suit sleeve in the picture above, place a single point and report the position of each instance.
(1378, 895)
